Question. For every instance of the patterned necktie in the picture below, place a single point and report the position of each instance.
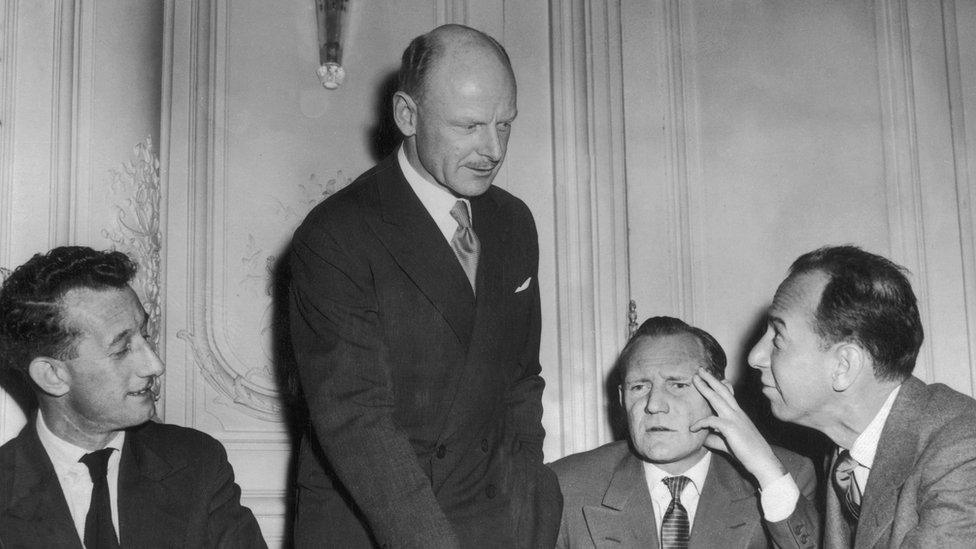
(99, 530)
(846, 486)
(675, 529)
(465, 242)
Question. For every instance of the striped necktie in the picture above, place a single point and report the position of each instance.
(675, 528)
(846, 486)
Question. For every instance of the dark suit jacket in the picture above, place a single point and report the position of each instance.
(607, 504)
(922, 488)
(176, 489)
(425, 401)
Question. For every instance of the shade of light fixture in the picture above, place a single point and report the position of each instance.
(332, 17)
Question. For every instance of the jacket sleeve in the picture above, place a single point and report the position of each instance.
(230, 524)
(343, 368)
(537, 507)
(803, 528)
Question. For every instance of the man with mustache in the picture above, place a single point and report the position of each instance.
(842, 337)
(90, 467)
(665, 487)
(415, 323)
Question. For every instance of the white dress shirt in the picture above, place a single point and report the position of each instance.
(661, 495)
(437, 200)
(76, 483)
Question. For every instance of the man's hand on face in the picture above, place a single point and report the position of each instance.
(732, 432)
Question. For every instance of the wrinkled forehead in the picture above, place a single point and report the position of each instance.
(670, 356)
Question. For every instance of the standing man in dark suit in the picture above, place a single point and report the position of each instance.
(415, 323)
(838, 353)
(90, 467)
(666, 488)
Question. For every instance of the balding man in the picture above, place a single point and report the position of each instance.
(415, 324)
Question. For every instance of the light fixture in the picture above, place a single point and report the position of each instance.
(333, 21)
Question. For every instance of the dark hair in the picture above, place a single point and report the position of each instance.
(422, 54)
(659, 326)
(869, 301)
(32, 320)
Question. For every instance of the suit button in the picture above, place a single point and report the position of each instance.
(484, 445)
(490, 491)
(798, 529)
(441, 451)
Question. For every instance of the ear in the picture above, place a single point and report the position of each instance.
(405, 113)
(620, 395)
(50, 375)
(850, 361)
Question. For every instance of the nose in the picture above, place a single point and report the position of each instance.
(657, 401)
(154, 366)
(491, 145)
(759, 355)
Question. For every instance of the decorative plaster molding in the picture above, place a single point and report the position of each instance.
(901, 157)
(252, 389)
(138, 230)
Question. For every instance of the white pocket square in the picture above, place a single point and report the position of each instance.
(524, 285)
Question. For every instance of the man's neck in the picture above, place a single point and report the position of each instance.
(856, 409)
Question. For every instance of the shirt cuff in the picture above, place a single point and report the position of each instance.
(779, 499)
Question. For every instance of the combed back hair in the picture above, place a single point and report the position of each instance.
(867, 300)
(659, 326)
(422, 54)
(32, 322)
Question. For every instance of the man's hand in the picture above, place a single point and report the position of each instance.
(732, 432)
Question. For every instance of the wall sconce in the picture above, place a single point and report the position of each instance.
(333, 22)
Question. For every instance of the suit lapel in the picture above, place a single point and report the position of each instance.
(413, 239)
(727, 501)
(149, 512)
(37, 497)
(893, 463)
(626, 516)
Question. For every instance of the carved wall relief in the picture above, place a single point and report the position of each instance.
(137, 231)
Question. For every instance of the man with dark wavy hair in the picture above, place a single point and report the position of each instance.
(840, 346)
(90, 467)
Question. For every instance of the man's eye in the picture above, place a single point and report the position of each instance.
(636, 387)
(123, 351)
(679, 385)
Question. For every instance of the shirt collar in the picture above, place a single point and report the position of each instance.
(696, 473)
(866, 444)
(64, 454)
(437, 200)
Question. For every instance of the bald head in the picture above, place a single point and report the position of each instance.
(452, 48)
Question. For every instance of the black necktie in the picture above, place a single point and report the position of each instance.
(675, 529)
(99, 530)
(465, 242)
(846, 486)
